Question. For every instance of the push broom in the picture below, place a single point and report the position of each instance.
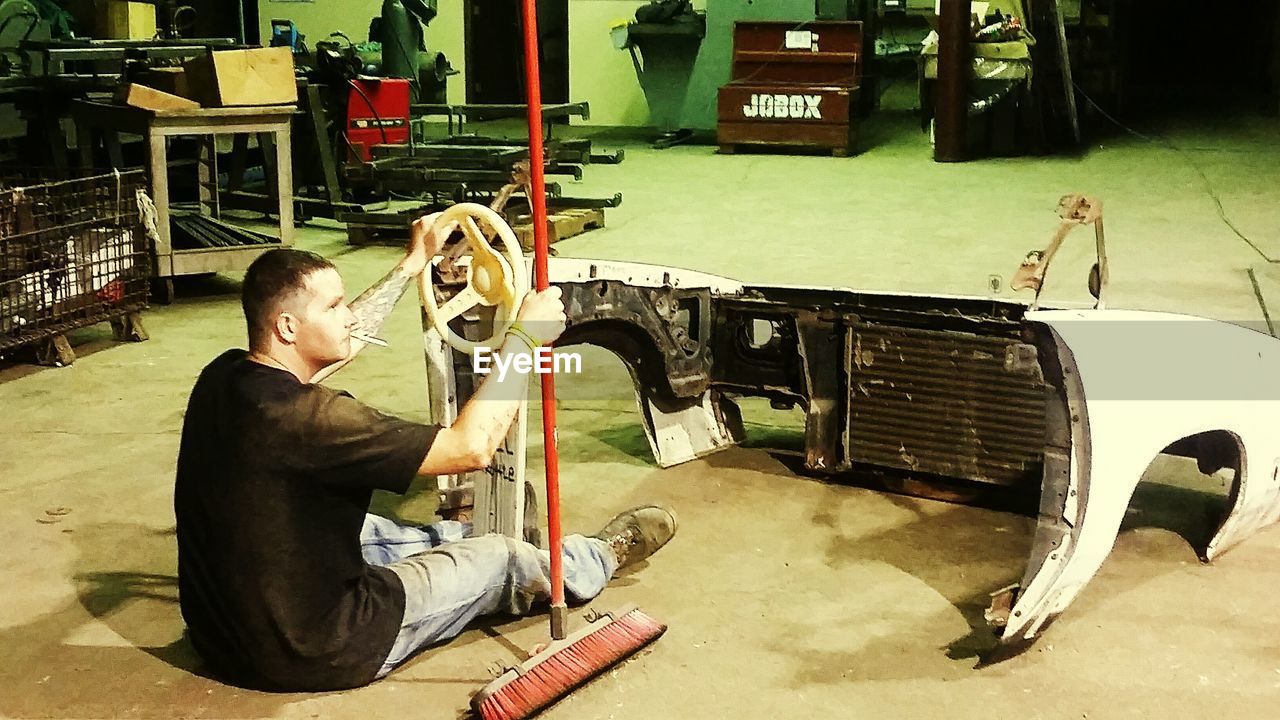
(567, 662)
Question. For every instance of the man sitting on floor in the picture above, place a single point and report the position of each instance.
(286, 582)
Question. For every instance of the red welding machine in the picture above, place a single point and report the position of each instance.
(377, 114)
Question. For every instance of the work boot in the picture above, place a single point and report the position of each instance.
(638, 533)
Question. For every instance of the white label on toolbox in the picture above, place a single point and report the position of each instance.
(790, 107)
(366, 123)
(798, 39)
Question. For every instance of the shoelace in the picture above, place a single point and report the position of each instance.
(623, 542)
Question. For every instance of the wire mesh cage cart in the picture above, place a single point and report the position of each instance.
(74, 251)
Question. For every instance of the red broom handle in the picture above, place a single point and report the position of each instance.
(533, 92)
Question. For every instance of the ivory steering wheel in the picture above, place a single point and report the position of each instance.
(492, 279)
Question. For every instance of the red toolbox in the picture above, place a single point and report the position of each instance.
(793, 84)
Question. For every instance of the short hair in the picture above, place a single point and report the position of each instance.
(271, 281)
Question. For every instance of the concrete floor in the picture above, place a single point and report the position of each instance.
(786, 597)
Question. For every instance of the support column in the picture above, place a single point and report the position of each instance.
(952, 103)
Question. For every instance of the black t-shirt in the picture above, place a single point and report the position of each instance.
(274, 480)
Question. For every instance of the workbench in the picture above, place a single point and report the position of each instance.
(270, 123)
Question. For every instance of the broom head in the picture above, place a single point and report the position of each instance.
(564, 665)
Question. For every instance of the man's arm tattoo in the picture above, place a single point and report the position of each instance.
(373, 306)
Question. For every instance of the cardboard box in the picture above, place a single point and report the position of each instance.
(261, 76)
(118, 19)
(141, 96)
(167, 79)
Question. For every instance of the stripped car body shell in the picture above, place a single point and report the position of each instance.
(981, 392)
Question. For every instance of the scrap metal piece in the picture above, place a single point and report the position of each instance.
(1075, 210)
(1001, 607)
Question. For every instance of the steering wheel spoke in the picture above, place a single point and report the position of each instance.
(475, 236)
(466, 299)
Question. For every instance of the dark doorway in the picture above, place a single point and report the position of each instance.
(219, 19)
(1190, 56)
(495, 51)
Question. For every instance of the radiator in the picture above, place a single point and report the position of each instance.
(950, 403)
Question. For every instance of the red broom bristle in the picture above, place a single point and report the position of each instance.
(571, 666)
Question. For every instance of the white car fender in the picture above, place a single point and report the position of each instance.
(1136, 382)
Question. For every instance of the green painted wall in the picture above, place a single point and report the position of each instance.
(317, 19)
(598, 73)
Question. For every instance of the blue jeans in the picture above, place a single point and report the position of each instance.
(450, 579)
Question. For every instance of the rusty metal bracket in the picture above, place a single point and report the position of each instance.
(1075, 210)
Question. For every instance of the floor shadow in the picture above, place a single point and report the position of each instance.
(963, 554)
(1021, 500)
(628, 439)
(103, 594)
(116, 648)
(1192, 514)
(86, 341)
(208, 285)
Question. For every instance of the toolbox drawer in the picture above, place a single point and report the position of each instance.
(814, 53)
